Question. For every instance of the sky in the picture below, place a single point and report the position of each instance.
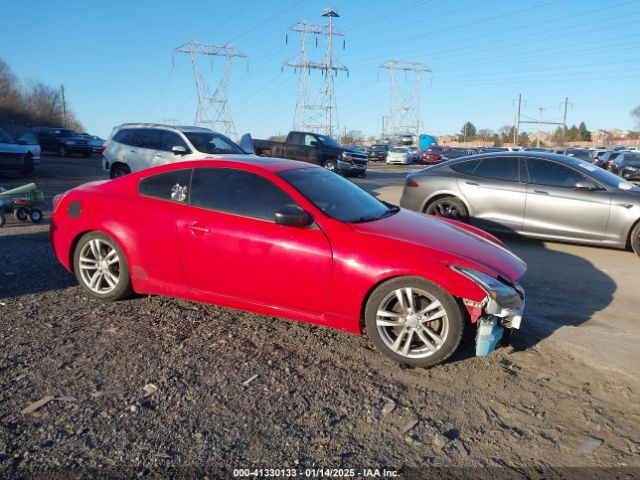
(116, 63)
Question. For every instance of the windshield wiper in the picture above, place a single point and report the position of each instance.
(371, 218)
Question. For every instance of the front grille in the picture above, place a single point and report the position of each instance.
(360, 162)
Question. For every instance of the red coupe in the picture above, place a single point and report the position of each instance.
(288, 239)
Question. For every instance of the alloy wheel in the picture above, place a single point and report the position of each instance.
(99, 266)
(412, 322)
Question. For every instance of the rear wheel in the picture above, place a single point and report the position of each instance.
(120, 170)
(414, 321)
(20, 215)
(101, 267)
(635, 238)
(448, 207)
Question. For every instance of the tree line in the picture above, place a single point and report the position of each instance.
(469, 133)
(32, 103)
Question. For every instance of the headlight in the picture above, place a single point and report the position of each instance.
(506, 296)
(346, 156)
(631, 169)
(69, 142)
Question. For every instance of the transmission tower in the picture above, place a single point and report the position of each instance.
(405, 115)
(317, 112)
(213, 110)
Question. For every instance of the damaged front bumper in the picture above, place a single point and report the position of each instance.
(501, 308)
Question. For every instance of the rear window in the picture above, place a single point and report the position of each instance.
(501, 168)
(172, 186)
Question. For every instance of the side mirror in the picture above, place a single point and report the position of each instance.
(246, 144)
(292, 217)
(585, 185)
(313, 143)
(179, 150)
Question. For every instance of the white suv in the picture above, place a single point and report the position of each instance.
(136, 146)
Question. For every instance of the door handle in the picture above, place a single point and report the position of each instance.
(195, 227)
(473, 183)
(541, 192)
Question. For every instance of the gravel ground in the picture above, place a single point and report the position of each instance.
(154, 385)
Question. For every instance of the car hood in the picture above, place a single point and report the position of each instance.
(431, 232)
(13, 148)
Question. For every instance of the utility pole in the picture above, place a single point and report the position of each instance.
(516, 126)
(64, 107)
(540, 109)
(405, 105)
(213, 109)
(321, 114)
(384, 131)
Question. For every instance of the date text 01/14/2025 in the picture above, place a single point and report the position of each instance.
(315, 472)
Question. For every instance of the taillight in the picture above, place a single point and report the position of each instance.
(102, 149)
(410, 182)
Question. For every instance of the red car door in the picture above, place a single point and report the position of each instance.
(230, 245)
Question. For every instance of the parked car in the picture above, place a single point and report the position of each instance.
(536, 194)
(535, 149)
(15, 157)
(627, 166)
(378, 152)
(30, 140)
(457, 152)
(399, 155)
(317, 149)
(95, 141)
(414, 154)
(581, 153)
(62, 141)
(606, 159)
(494, 149)
(289, 239)
(432, 155)
(136, 146)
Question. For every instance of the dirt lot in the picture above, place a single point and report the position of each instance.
(321, 398)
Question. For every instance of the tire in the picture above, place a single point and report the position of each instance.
(112, 287)
(119, 170)
(331, 165)
(20, 215)
(410, 339)
(62, 152)
(634, 239)
(448, 207)
(35, 215)
(3, 220)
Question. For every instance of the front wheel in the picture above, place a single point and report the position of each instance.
(331, 165)
(414, 321)
(449, 207)
(35, 215)
(635, 239)
(101, 267)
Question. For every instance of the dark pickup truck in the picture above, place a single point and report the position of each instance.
(317, 149)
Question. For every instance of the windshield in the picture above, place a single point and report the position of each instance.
(378, 148)
(64, 133)
(5, 137)
(328, 141)
(210, 142)
(632, 159)
(605, 177)
(581, 154)
(336, 196)
(399, 150)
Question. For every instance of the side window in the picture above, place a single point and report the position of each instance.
(499, 168)
(170, 140)
(543, 172)
(150, 138)
(310, 140)
(296, 139)
(127, 136)
(465, 167)
(237, 192)
(171, 186)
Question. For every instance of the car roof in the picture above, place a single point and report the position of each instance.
(182, 128)
(522, 153)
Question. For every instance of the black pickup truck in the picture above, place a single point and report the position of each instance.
(317, 149)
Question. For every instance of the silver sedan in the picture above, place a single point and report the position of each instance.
(540, 195)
